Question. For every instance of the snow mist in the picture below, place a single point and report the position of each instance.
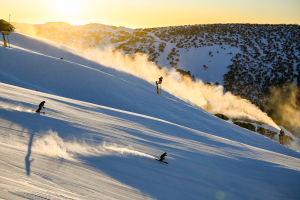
(52, 145)
(210, 98)
(282, 104)
(14, 107)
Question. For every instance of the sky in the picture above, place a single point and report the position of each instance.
(154, 13)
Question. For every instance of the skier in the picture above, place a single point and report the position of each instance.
(162, 157)
(281, 134)
(41, 106)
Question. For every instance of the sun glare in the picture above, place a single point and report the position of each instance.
(67, 6)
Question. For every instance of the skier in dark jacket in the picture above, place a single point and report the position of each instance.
(162, 157)
(41, 106)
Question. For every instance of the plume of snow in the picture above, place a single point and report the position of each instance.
(282, 103)
(52, 145)
(14, 107)
(210, 98)
(123, 150)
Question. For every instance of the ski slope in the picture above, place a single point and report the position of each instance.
(104, 127)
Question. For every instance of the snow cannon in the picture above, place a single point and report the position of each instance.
(6, 28)
(157, 89)
(4, 41)
(158, 82)
(3, 34)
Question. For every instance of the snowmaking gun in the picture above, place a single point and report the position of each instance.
(3, 34)
(159, 82)
(6, 28)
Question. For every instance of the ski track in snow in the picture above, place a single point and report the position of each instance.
(108, 125)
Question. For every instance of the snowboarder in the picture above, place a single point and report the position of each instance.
(281, 134)
(162, 157)
(41, 106)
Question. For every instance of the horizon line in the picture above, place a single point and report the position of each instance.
(120, 26)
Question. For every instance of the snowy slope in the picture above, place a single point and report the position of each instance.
(193, 60)
(104, 86)
(103, 127)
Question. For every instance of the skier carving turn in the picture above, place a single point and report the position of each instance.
(162, 157)
(40, 107)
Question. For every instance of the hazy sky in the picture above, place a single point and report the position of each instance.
(152, 13)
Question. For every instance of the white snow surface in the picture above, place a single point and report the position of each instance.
(103, 128)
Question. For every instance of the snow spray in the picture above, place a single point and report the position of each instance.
(282, 103)
(211, 98)
(14, 107)
(52, 145)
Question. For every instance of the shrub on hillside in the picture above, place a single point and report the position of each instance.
(286, 140)
(221, 116)
(248, 126)
(266, 132)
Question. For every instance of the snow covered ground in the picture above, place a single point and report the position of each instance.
(103, 127)
(194, 59)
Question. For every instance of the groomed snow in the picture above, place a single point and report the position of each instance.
(103, 127)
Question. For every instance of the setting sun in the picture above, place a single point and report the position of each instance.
(67, 6)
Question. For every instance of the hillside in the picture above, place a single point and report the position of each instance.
(242, 48)
(104, 124)
(249, 60)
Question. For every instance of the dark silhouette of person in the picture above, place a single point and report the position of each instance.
(41, 106)
(162, 157)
